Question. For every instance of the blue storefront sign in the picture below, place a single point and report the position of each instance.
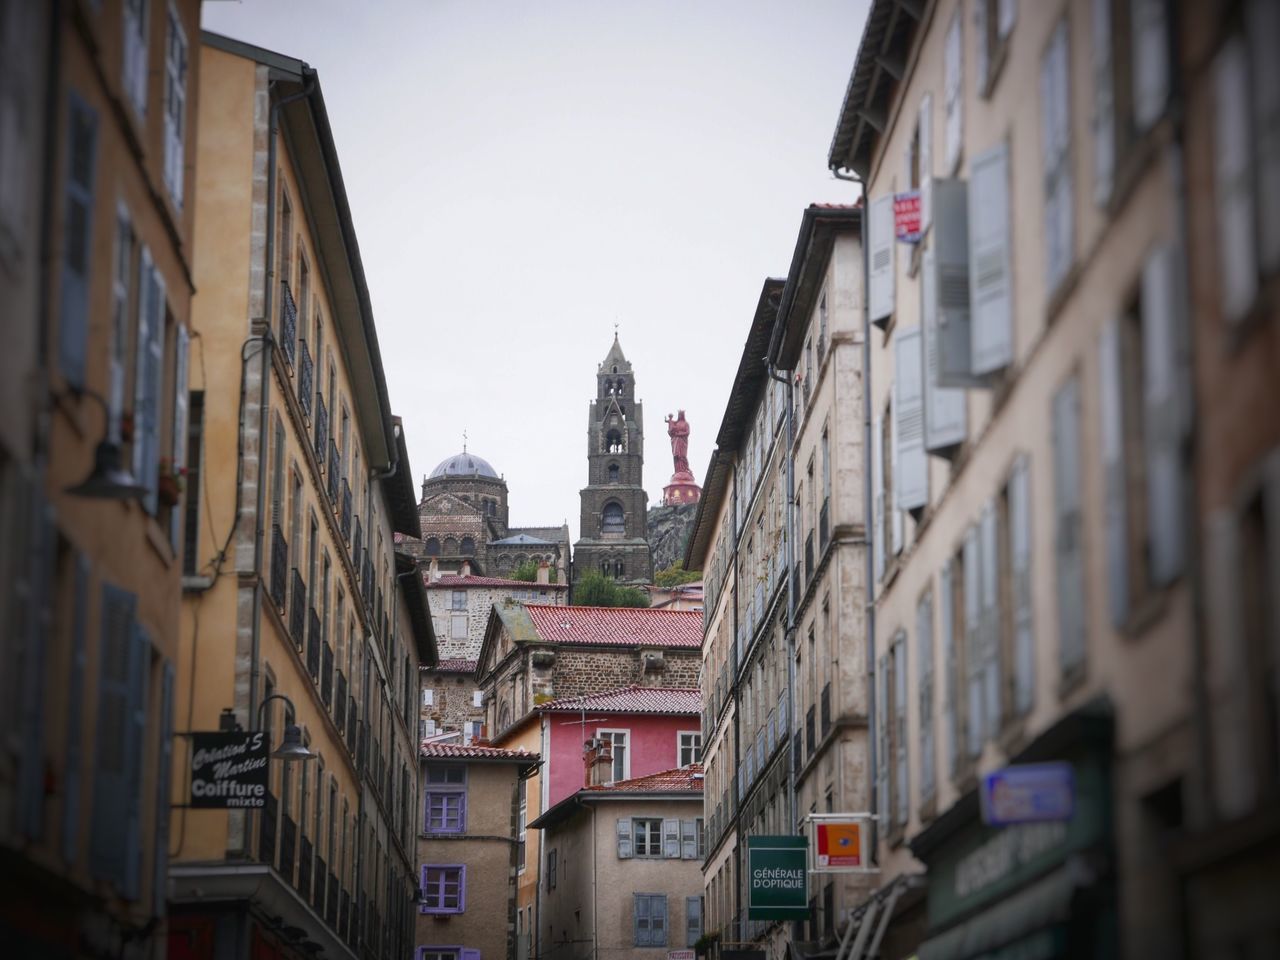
(1028, 793)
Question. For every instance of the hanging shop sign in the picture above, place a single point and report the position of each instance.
(777, 878)
(229, 770)
(840, 842)
(1028, 793)
(907, 216)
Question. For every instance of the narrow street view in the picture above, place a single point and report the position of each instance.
(944, 623)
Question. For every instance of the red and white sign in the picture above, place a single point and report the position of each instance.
(906, 216)
(840, 844)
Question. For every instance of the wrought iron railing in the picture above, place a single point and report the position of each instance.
(351, 722)
(824, 525)
(340, 703)
(288, 846)
(344, 917)
(313, 644)
(826, 708)
(345, 516)
(331, 902)
(317, 886)
(810, 739)
(298, 610)
(267, 830)
(326, 676)
(279, 567)
(304, 867)
(288, 324)
(357, 547)
(321, 428)
(808, 556)
(333, 474)
(304, 378)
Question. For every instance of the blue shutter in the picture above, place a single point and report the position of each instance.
(693, 920)
(135, 759)
(1149, 26)
(164, 757)
(973, 652)
(950, 698)
(924, 128)
(72, 779)
(77, 230)
(883, 759)
(624, 838)
(640, 919)
(42, 554)
(658, 920)
(981, 55)
(877, 499)
(1234, 200)
(1020, 568)
(150, 419)
(989, 554)
(179, 420)
(1104, 108)
(1068, 525)
(880, 279)
(990, 278)
(910, 468)
(1262, 18)
(924, 681)
(141, 366)
(1164, 379)
(671, 839)
(110, 808)
(901, 801)
(948, 300)
(945, 412)
(1115, 523)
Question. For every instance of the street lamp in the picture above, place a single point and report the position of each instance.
(291, 746)
(108, 480)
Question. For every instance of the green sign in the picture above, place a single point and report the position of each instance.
(777, 872)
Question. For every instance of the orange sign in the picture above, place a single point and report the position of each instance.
(840, 844)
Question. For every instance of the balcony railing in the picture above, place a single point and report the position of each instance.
(797, 750)
(797, 581)
(313, 644)
(826, 708)
(824, 525)
(267, 830)
(288, 846)
(357, 547)
(288, 324)
(317, 887)
(351, 723)
(304, 378)
(340, 703)
(331, 901)
(326, 676)
(344, 917)
(332, 475)
(321, 428)
(304, 867)
(810, 738)
(345, 516)
(279, 567)
(808, 557)
(298, 610)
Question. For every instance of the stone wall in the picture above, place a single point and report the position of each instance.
(452, 701)
(669, 529)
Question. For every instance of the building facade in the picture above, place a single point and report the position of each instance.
(467, 851)
(620, 874)
(296, 608)
(98, 113)
(613, 537)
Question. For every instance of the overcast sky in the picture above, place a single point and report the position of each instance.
(525, 173)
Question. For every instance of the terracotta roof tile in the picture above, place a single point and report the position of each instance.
(683, 779)
(455, 581)
(622, 626)
(457, 751)
(455, 665)
(633, 699)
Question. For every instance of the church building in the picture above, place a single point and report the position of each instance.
(613, 531)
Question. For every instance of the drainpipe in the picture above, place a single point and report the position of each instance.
(737, 721)
(595, 899)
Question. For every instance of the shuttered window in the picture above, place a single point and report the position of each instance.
(1164, 410)
(111, 732)
(974, 662)
(77, 239)
(1233, 181)
(910, 468)
(1104, 101)
(945, 411)
(650, 913)
(1068, 548)
(692, 920)
(924, 159)
(1018, 500)
(1262, 18)
(164, 756)
(41, 554)
(883, 739)
(949, 287)
(671, 839)
(73, 779)
(990, 627)
(990, 283)
(877, 495)
(136, 31)
(924, 683)
(624, 838)
(178, 420)
(122, 292)
(1115, 522)
(901, 800)
(135, 759)
(947, 587)
(1055, 141)
(880, 279)
(149, 371)
(1150, 60)
(953, 79)
(175, 107)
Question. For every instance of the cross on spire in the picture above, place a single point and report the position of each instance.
(464, 439)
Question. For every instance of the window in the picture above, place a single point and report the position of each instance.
(650, 911)
(73, 315)
(993, 22)
(175, 107)
(692, 920)
(136, 17)
(444, 888)
(523, 790)
(953, 79)
(891, 723)
(433, 547)
(191, 518)
(924, 681)
(428, 696)
(446, 811)
(551, 870)
(477, 698)
(613, 473)
(122, 295)
(621, 758)
(1055, 140)
(458, 626)
(612, 519)
(468, 547)
(17, 98)
(1068, 546)
(690, 750)
(458, 600)
(646, 836)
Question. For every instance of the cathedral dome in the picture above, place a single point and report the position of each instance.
(464, 465)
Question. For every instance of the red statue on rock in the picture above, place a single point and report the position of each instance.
(682, 488)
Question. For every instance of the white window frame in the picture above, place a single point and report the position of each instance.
(176, 68)
(428, 697)
(612, 733)
(696, 736)
(136, 32)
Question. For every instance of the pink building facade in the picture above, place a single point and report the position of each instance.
(650, 729)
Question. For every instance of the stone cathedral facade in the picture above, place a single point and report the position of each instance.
(613, 533)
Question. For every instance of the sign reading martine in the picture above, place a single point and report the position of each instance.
(777, 876)
(229, 770)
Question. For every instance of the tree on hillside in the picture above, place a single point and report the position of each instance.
(597, 590)
(676, 575)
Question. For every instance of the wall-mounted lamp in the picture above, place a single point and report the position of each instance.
(291, 746)
(108, 480)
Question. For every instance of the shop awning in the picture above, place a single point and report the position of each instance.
(1026, 926)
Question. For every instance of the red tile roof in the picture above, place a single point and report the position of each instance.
(455, 665)
(457, 751)
(632, 699)
(681, 780)
(620, 626)
(456, 580)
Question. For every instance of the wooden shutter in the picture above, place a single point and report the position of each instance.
(883, 758)
(1150, 60)
(658, 920)
(950, 667)
(973, 659)
(77, 239)
(881, 277)
(642, 920)
(624, 838)
(1020, 569)
(901, 801)
(989, 557)
(949, 286)
(688, 840)
(72, 778)
(180, 400)
(1104, 102)
(1068, 525)
(910, 468)
(924, 161)
(135, 759)
(953, 79)
(693, 920)
(1115, 522)
(164, 756)
(1055, 128)
(924, 681)
(107, 850)
(945, 412)
(1233, 181)
(1164, 379)
(671, 839)
(989, 273)
(42, 555)
(277, 477)
(1262, 18)
(877, 497)
(981, 52)
(150, 418)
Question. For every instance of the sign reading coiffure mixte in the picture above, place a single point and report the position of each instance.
(229, 770)
(777, 874)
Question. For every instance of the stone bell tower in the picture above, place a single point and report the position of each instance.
(614, 505)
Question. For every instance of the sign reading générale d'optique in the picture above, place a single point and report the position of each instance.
(777, 878)
(229, 770)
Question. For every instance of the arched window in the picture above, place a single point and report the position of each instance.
(504, 562)
(613, 473)
(433, 547)
(450, 547)
(613, 442)
(617, 569)
(615, 369)
(468, 547)
(504, 718)
(612, 519)
(604, 567)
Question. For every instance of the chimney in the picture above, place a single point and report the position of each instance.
(544, 572)
(597, 760)
(433, 571)
(465, 570)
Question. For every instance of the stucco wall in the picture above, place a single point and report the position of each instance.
(652, 745)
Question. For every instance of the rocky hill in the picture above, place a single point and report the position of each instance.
(669, 529)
